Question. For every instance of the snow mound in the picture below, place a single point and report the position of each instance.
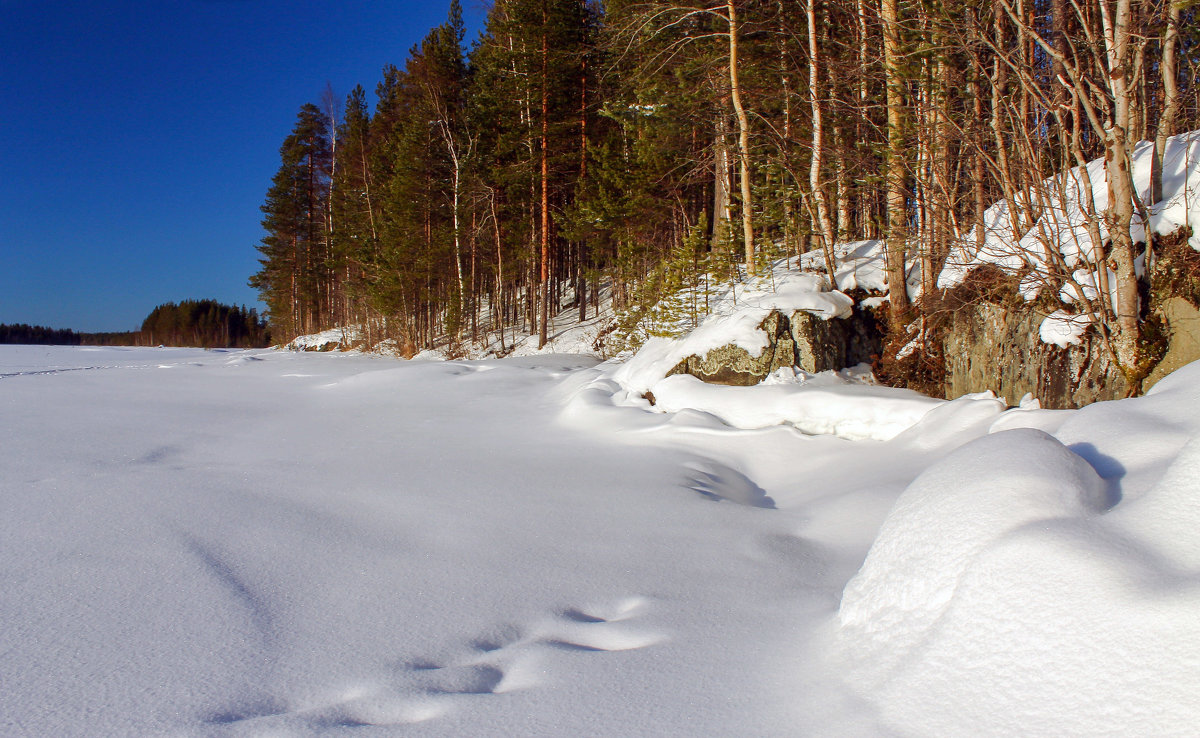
(1011, 588)
(851, 411)
(984, 491)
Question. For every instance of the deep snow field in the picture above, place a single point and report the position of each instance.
(275, 543)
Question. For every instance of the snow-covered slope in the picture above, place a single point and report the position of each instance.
(1062, 220)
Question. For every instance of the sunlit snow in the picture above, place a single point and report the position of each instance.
(276, 543)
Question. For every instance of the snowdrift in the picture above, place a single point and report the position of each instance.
(1030, 580)
(279, 542)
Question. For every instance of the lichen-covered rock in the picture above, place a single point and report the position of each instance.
(802, 340)
(734, 365)
(1183, 347)
(820, 344)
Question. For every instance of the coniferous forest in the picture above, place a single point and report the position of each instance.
(576, 146)
(194, 323)
(204, 324)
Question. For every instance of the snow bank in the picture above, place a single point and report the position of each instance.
(852, 411)
(1036, 584)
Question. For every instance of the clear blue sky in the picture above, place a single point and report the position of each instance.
(138, 139)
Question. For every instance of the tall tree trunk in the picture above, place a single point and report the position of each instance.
(735, 91)
(1169, 71)
(456, 162)
(544, 280)
(721, 182)
(581, 256)
(999, 91)
(1119, 213)
(897, 191)
(818, 145)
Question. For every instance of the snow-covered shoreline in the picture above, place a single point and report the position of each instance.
(247, 543)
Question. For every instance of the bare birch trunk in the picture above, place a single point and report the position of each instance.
(818, 145)
(743, 139)
(1119, 213)
(544, 277)
(1169, 70)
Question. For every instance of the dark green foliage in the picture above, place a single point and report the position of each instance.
(294, 280)
(20, 333)
(37, 335)
(206, 324)
(198, 323)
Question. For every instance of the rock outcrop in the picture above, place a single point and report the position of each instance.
(988, 345)
(991, 347)
(1183, 346)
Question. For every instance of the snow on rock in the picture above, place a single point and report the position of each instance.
(844, 404)
(1064, 221)
(1063, 329)
(335, 339)
(1061, 232)
(735, 321)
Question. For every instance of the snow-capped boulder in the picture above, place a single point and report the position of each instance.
(809, 342)
(734, 365)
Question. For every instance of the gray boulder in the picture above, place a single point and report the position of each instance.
(801, 340)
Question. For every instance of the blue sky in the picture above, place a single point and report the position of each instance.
(138, 139)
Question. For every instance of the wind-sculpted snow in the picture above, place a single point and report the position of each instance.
(277, 543)
(856, 412)
(1029, 581)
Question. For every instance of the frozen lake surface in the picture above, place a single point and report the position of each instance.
(270, 543)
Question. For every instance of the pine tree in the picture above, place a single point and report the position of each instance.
(528, 68)
(295, 275)
(354, 208)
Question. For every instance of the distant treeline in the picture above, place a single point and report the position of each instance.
(200, 323)
(205, 323)
(39, 335)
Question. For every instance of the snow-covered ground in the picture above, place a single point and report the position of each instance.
(280, 543)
